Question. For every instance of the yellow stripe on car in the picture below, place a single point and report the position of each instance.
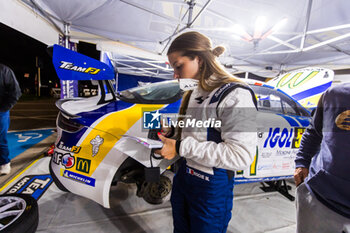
(110, 130)
(253, 165)
(311, 101)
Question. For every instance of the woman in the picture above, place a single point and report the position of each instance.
(202, 191)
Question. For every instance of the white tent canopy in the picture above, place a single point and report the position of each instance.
(315, 32)
(17, 16)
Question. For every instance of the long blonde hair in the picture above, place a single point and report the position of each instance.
(211, 73)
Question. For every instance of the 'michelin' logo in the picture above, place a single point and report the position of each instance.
(70, 66)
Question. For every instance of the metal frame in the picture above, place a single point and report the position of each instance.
(300, 36)
(46, 15)
(306, 26)
(190, 22)
(149, 10)
(151, 68)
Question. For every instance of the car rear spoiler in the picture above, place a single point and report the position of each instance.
(71, 65)
(59, 104)
(105, 87)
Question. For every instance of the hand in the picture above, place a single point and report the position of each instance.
(168, 150)
(300, 174)
(167, 131)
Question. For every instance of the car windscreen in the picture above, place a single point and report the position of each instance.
(270, 100)
(155, 93)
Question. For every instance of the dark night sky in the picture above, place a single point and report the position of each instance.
(19, 52)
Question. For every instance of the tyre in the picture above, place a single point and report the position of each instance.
(156, 192)
(18, 213)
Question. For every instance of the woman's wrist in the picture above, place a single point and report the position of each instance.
(177, 146)
(170, 132)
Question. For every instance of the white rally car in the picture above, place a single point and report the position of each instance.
(105, 139)
(96, 144)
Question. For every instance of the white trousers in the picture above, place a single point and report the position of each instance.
(315, 217)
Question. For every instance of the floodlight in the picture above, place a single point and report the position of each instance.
(260, 24)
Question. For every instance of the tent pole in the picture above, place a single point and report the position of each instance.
(271, 37)
(149, 10)
(302, 42)
(332, 46)
(327, 42)
(189, 24)
(199, 13)
(46, 16)
(66, 35)
(329, 29)
(66, 45)
(190, 11)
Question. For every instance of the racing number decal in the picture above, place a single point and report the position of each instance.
(297, 137)
(284, 138)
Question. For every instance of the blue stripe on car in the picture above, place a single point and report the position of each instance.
(290, 120)
(88, 118)
(312, 91)
(304, 121)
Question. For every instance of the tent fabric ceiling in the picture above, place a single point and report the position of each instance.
(316, 32)
(141, 66)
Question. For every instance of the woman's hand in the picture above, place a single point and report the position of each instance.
(168, 131)
(168, 150)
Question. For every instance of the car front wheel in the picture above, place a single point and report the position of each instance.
(18, 213)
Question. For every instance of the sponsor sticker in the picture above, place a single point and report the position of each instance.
(284, 137)
(66, 159)
(343, 120)
(83, 165)
(74, 149)
(96, 143)
(78, 177)
(70, 66)
(34, 185)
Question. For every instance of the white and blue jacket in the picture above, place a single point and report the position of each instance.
(231, 146)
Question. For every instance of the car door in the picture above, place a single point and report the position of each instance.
(281, 122)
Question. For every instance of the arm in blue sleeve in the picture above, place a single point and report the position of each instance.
(312, 137)
(12, 90)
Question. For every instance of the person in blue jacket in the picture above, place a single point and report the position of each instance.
(202, 193)
(322, 173)
(9, 94)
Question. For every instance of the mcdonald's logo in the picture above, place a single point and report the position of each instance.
(83, 165)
